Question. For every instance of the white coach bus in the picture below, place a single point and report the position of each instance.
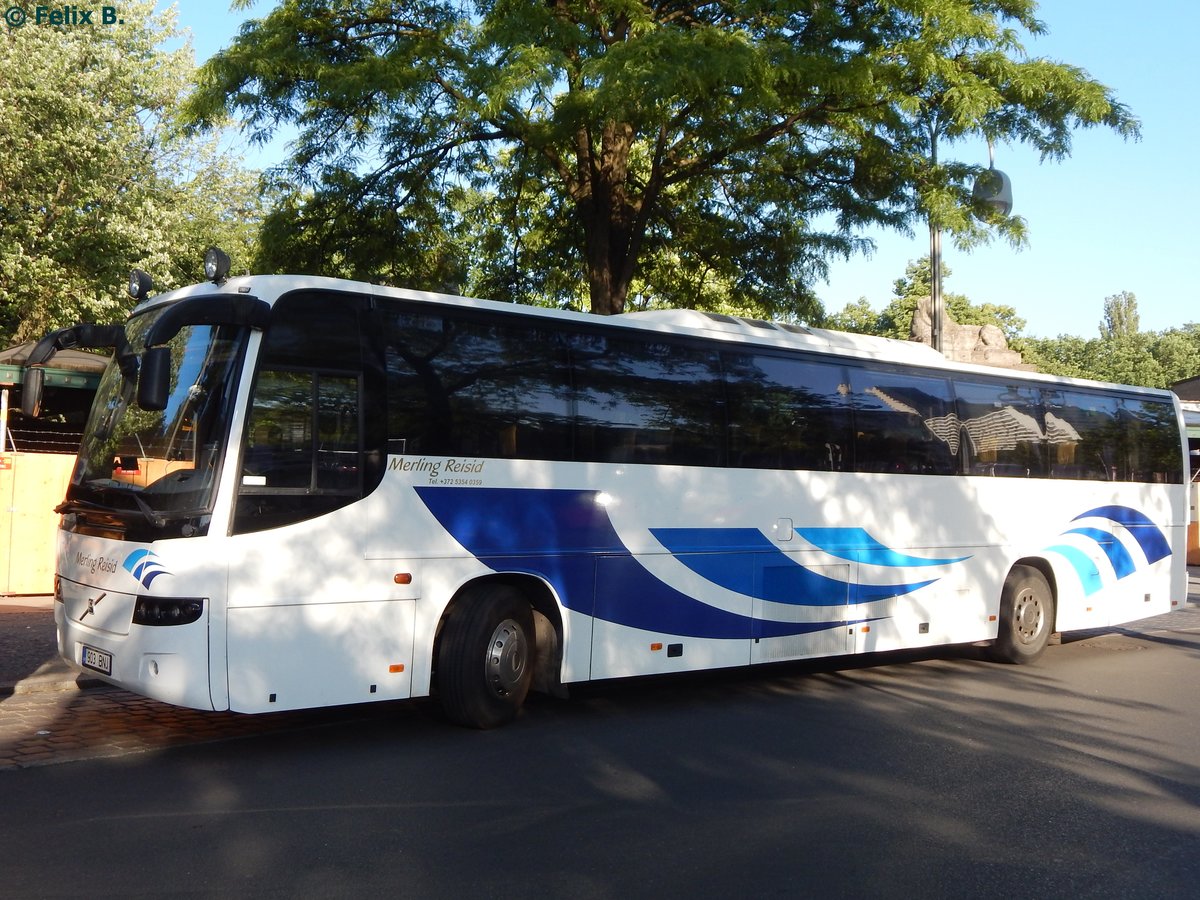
(298, 492)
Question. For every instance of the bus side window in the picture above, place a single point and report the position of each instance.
(904, 424)
(337, 450)
(462, 387)
(1153, 436)
(1002, 429)
(303, 432)
(649, 402)
(786, 413)
(1109, 438)
(1083, 436)
(280, 430)
(303, 453)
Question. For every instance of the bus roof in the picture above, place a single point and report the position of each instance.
(698, 323)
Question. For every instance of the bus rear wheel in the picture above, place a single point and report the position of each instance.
(485, 658)
(1026, 616)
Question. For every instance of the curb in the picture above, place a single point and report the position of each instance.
(51, 683)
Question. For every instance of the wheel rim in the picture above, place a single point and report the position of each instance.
(1028, 617)
(507, 655)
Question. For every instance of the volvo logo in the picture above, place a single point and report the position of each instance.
(93, 602)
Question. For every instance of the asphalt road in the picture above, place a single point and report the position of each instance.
(915, 776)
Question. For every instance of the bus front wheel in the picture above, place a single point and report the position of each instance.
(485, 658)
(1026, 616)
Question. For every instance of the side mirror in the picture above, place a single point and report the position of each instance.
(31, 391)
(154, 379)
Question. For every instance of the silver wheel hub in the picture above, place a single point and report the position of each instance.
(1028, 617)
(507, 656)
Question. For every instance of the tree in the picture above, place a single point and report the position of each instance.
(1143, 358)
(895, 321)
(95, 178)
(1120, 315)
(679, 150)
(859, 317)
(1178, 352)
(1066, 355)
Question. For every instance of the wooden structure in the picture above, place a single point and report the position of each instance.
(36, 460)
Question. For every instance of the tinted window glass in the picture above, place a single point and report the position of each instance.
(647, 402)
(1002, 432)
(279, 436)
(1083, 436)
(337, 461)
(310, 330)
(787, 413)
(289, 409)
(1109, 438)
(303, 453)
(1155, 444)
(903, 423)
(475, 388)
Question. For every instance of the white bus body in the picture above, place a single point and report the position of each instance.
(620, 566)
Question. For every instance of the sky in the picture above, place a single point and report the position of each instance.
(1114, 216)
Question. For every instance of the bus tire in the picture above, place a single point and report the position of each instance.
(485, 657)
(1026, 616)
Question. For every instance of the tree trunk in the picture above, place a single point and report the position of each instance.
(609, 219)
(605, 263)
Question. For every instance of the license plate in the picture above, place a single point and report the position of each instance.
(97, 660)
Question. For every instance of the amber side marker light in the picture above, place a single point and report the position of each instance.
(396, 667)
(402, 578)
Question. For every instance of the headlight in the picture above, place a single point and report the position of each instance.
(167, 610)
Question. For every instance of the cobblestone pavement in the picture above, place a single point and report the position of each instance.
(50, 712)
(49, 717)
(48, 727)
(28, 653)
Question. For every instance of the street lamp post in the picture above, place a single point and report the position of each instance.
(938, 306)
(994, 188)
(938, 312)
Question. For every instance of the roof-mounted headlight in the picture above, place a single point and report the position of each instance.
(140, 285)
(216, 265)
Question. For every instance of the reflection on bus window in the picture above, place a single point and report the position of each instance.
(903, 423)
(1002, 431)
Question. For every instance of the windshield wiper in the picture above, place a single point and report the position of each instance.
(155, 519)
(71, 505)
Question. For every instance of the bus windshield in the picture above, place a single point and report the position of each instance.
(160, 468)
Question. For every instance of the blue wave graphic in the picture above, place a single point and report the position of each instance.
(856, 545)
(566, 537)
(144, 566)
(1149, 537)
(1089, 578)
(1122, 562)
(715, 554)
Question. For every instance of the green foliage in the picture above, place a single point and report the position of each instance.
(895, 321)
(678, 153)
(859, 317)
(314, 233)
(1121, 353)
(95, 178)
(1120, 315)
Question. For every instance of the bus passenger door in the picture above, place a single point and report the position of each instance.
(801, 609)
